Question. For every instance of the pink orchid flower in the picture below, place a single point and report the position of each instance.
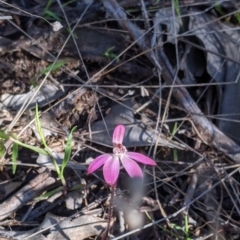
(111, 162)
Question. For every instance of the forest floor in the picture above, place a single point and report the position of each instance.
(71, 71)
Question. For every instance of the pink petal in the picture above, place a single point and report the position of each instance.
(141, 158)
(118, 134)
(131, 167)
(98, 162)
(111, 170)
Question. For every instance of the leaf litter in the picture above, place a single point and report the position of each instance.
(172, 82)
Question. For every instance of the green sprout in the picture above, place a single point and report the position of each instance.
(49, 14)
(51, 67)
(48, 194)
(2, 148)
(219, 9)
(177, 10)
(221, 12)
(174, 131)
(110, 54)
(14, 157)
(184, 229)
(237, 16)
(69, 2)
(67, 153)
(16, 143)
(33, 83)
(14, 140)
(44, 151)
(74, 35)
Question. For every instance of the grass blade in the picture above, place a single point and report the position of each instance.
(39, 127)
(68, 150)
(35, 149)
(14, 157)
(52, 67)
(3, 135)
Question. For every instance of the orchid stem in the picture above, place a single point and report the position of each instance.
(110, 213)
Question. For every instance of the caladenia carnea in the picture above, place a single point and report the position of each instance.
(111, 164)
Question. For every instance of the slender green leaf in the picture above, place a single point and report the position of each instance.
(177, 9)
(69, 2)
(109, 54)
(174, 131)
(55, 164)
(35, 149)
(175, 155)
(218, 8)
(14, 157)
(39, 127)
(52, 67)
(41, 134)
(3, 135)
(2, 148)
(176, 226)
(78, 187)
(186, 228)
(68, 150)
(72, 33)
(33, 83)
(237, 16)
(51, 14)
(49, 3)
(48, 194)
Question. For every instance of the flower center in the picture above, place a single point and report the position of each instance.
(119, 150)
